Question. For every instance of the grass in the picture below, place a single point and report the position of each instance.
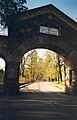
(60, 83)
(1, 82)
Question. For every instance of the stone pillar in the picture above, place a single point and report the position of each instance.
(74, 82)
(11, 85)
(67, 80)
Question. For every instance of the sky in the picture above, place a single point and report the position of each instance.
(2, 64)
(69, 7)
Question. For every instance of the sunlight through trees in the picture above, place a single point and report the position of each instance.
(50, 67)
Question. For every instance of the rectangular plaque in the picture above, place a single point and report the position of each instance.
(48, 30)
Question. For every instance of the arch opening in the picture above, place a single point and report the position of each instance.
(2, 74)
(43, 66)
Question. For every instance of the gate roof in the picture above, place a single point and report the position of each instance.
(48, 9)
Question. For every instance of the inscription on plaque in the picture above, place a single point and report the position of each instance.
(48, 30)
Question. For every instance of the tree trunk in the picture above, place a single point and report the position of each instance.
(60, 74)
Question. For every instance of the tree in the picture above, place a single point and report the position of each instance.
(8, 8)
(22, 64)
(61, 67)
(29, 65)
(33, 64)
(50, 66)
(40, 69)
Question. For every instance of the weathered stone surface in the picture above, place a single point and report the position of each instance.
(27, 36)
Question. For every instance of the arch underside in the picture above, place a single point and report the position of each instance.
(27, 36)
(57, 45)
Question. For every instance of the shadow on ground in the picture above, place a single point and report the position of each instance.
(36, 106)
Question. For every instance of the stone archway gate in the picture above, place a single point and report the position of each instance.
(44, 27)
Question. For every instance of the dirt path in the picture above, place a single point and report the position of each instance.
(43, 87)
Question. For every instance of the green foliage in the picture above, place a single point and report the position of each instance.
(9, 8)
(59, 83)
(33, 64)
(40, 69)
(30, 61)
(50, 66)
(36, 68)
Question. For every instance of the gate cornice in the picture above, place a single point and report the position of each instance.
(48, 9)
